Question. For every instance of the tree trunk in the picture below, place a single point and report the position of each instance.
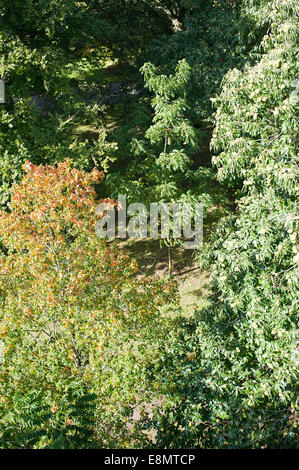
(169, 261)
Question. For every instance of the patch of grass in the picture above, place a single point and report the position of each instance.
(82, 129)
(194, 290)
(105, 73)
(193, 283)
(114, 116)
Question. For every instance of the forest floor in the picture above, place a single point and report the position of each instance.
(193, 282)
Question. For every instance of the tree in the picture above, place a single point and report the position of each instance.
(240, 384)
(73, 319)
(214, 37)
(37, 41)
(161, 160)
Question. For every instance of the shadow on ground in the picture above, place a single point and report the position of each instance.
(153, 260)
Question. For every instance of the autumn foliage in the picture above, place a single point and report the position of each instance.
(72, 315)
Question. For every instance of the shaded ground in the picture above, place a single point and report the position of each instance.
(109, 85)
(153, 261)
